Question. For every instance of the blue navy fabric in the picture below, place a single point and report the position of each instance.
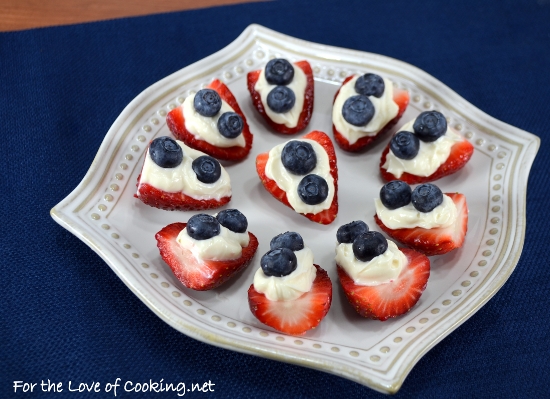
(65, 316)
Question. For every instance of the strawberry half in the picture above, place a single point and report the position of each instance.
(297, 316)
(176, 123)
(307, 111)
(460, 154)
(153, 196)
(196, 274)
(393, 299)
(400, 97)
(436, 241)
(324, 217)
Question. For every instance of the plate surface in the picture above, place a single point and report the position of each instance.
(103, 213)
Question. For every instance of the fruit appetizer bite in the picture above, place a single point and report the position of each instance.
(283, 94)
(211, 121)
(303, 175)
(379, 279)
(290, 293)
(365, 107)
(424, 219)
(176, 177)
(207, 250)
(424, 150)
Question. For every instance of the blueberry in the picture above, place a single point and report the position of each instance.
(233, 220)
(395, 194)
(358, 110)
(230, 125)
(426, 197)
(208, 169)
(290, 240)
(405, 145)
(430, 125)
(279, 262)
(348, 232)
(281, 99)
(368, 245)
(298, 157)
(370, 85)
(207, 102)
(313, 189)
(203, 227)
(165, 152)
(279, 72)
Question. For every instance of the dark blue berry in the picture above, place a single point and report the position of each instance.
(207, 169)
(430, 125)
(313, 189)
(395, 194)
(426, 197)
(368, 245)
(358, 110)
(233, 220)
(298, 157)
(279, 262)
(370, 85)
(279, 72)
(290, 240)
(165, 152)
(203, 227)
(230, 125)
(281, 99)
(405, 145)
(348, 232)
(207, 102)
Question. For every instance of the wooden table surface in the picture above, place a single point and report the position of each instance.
(26, 14)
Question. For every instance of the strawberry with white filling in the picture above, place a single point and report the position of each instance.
(425, 149)
(379, 279)
(176, 177)
(425, 219)
(365, 107)
(290, 293)
(211, 121)
(283, 94)
(303, 175)
(207, 251)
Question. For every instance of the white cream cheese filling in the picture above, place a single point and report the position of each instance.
(381, 269)
(183, 179)
(291, 287)
(385, 109)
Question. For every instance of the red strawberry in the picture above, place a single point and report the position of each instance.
(461, 152)
(195, 274)
(325, 217)
(393, 299)
(176, 124)
(307, 111)
(437, 241)
(297, 316)
(400, 97)
(175, 201)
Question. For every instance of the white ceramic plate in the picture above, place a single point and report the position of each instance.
(103, 213)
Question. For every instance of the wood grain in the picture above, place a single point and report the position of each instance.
(25, 14)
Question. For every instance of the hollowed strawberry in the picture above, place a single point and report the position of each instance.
(176, 123)
(461, 152)
(400, 97)
(297, 316)
(437, 241)
(392, 299)
(307, 110)
(199, 275)
(324, 217)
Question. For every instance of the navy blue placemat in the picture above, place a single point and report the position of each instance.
(65, 316)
